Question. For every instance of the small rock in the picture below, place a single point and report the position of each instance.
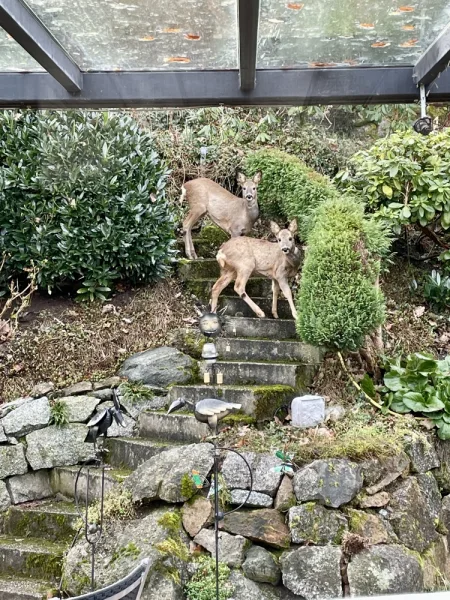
(27, 417)
(80, 408)
(5, 500)
(384, 570)
(256, 499)
(159, 367)
(312, 523)
(376, 501)
(9, 406)
(421, 452)
(103, 395)
(430, 491)
(265, 479)
(197, 514)
(313, 572)
(58, 446)
(83, 387)
(246, 589)
(127, 430)
(29, 487)
(379, 473)
(12, 461)
(307, 411)
(266, 526)
(334, 413)
(368, 526)
(42, 389)
(332, 482)
(285, 497)
(261, 566)
(109, 382)
(231, 547)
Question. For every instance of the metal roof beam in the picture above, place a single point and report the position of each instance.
(434, 60)
(23, 25)
(248, 17)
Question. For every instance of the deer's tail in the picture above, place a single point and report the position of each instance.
(183, 194)
(221, 259)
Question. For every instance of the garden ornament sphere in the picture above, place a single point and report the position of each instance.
(209, 324)
(424, 125)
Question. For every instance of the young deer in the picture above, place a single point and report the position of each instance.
(234, 215)
(239, 258)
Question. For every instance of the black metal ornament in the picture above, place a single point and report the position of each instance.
(423, 125)
(101, 422)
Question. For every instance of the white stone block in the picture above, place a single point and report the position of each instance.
(307, 411)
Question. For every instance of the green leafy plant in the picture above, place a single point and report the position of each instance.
(117, 506)
(202, 585)
(437, 290)
(133, 391)
(420, 384)
(59, 413)
(81, 198)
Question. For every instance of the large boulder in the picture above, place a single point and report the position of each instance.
(12, 461)
(27, 417)
(384, 570)
(231, 547)
(31, 486)
(58, 446)
(370, 526)
(312, 523)
(265, 526)
(412, 517)
(332, 482)
(5, 500)
(159, 367)
(260, 565)
(421, 452)
(197, 514)
(313, 572)
(80, 408)
(430, 492)
(122, 546)
(167, 476)
(378, 473)
(246, 589)
(265, 478)
(256, 499)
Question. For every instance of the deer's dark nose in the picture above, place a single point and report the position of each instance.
(285, 250)
(249, 196)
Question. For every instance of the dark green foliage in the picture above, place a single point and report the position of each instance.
(437, 290)
(288, 189)
(75, 200)
(202, 585)
(339, 303)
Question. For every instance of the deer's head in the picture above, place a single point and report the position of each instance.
(285, 237)
(249, 186)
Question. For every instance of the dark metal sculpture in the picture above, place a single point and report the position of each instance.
(101, 422)
(209, 410)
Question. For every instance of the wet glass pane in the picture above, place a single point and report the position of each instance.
(13, 57)
(348, 32)
(144, 34)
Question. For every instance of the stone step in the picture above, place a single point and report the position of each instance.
(245, 349)
(63, 481)
(259, 402)
(297, 376)
(256, 286)
(178, 428)
(253, 327)
(129, 453)
(32, 557)
(204, 248)
(15, 588)
(49, 520)
(198, 269)
(237, 307)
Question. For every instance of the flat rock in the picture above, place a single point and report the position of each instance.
(421, 452)
(256, 499)
(109, 382)
(369, 526)
(27, 417)
(332, 482)
(378, 500)
(82, 387)
(285, 497)
(58, 446)
(246, 589)
(265, 526)
(5, 499)
(265, 479)
(80, 408)
(197, 514)
(384, 570)
(159, 367)
(12, 461)
(430, 491)
(29, 487)
(231, 547)
(313, 572)
(412, 518)
(378, 473)
(103, 395)
(3, 437)
(161, 477)
(312, 523)
(261, 566)
(42, 389)
(9, 406)
(127, 430)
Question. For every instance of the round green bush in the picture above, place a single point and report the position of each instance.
(339, 303)
(288, 189)
(75, 200)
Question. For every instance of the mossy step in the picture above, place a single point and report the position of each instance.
(237, 307)
(174, 428)
(253, 327)
(16, 588)
(259, 402)
(295, 375)
(63, 481)
(204, 248)
(290, 351)
(256, 286)
(54, 521)
(198, 269)
(31, 557)
(132, 452)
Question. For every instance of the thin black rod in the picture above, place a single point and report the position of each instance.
(17, 19)
(217, 516)
(434, 60)
(248, 19)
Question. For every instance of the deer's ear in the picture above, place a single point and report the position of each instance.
(241, 179)
(274, 228)
(293, 226)
(257, 177)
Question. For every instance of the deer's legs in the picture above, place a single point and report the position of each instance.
(284, 285)
(220, 285)
(239, 288)
(192, 217)
(275, 292)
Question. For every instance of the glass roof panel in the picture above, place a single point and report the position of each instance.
(114, 35)
(318, 33)
(13, 57)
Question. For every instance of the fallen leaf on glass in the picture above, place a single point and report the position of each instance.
(172, 30)
(147, 38)
(178, 59)
(192, 36)
(367, 25)
(419, 311)
(408, 27)
(380, 44)
(295, 5)
(322, 64)
(409, 43)
(406, 8)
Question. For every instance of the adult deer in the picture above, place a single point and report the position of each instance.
(234, 215)
(239, 258)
